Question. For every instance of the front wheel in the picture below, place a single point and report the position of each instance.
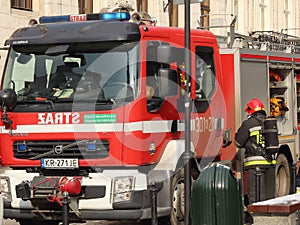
(177, 207)
(177, 195)
(283, 176)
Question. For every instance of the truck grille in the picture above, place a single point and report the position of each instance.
(83, 149)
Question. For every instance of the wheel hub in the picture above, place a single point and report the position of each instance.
(178, 201)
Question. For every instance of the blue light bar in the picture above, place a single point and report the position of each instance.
(83, 17)
(54, 19)
(115, 16)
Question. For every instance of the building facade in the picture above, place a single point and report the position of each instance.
(252, 15)
(258, 15)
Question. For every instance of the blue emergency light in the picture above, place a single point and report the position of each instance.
(21, 147)
(114, 16)
(91, 146)
(84, 17)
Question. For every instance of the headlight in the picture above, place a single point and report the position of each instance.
(122, 188)
(5, 188)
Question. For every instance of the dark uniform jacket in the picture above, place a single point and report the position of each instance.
(248, 136)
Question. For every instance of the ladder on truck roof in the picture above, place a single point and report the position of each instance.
(268, 41)
(261, 40)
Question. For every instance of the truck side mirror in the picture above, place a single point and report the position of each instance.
(167, 86)
(169, 54)
(8, 99)
(168, 82)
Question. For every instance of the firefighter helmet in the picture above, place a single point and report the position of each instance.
(278, 106)
(274, 76)
(254, 105)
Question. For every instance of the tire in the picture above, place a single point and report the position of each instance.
(177, 203)
(283, 176)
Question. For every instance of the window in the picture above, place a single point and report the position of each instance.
(85, 6)
(152, 68)
(205, 77)
(21, 4)
(205, 10)
(286, 12)
(236, 11)
(262, 6)
(173, 14)
(142, 5)
(101, 72)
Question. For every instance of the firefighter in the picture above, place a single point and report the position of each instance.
(257, 165)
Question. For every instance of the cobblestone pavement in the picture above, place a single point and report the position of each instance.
(106, 222)
(93, 222)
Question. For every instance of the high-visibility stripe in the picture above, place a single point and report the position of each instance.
(257, 133)
(254, 133)
(257, 128)
(254, 158)
(259, 162)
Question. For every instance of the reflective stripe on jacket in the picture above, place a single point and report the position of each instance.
(256, 131)
(258, 160)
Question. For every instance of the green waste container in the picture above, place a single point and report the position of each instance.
(216, 197)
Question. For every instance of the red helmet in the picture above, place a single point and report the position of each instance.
(254, 105)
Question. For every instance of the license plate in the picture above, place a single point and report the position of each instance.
(53, 163)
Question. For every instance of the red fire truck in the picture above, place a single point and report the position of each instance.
(93, 105)
(95, 108)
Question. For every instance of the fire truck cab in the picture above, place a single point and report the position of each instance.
(95, 108)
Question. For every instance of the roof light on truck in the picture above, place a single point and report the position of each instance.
(84, 17)
(115, 16)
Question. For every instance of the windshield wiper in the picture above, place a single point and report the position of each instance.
(27, 101)
(82, 100)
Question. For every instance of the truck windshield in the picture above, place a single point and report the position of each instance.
(105, 73)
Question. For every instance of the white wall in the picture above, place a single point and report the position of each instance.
(11, 19)
(249, 15)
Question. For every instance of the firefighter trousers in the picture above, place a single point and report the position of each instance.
(262, 181)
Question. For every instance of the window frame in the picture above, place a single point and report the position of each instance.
(85, 6)
(203, 100)
(21, 4)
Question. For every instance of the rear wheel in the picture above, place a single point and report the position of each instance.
(283, 176)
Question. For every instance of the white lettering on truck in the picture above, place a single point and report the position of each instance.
(203, 124)
(59, 118)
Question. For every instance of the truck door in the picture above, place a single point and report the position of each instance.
(208, 108)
